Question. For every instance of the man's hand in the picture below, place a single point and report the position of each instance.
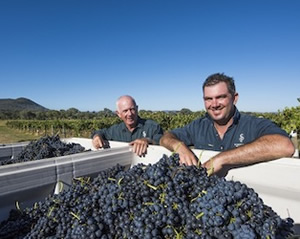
(214, 166)
(139, 146)
(186, 156)
(172, 143)
(98, 142)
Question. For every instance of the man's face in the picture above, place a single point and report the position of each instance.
(128, 112)
(219, 103)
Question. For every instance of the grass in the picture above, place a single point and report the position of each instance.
(8, 135)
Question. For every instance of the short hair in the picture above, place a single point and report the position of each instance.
(220, 77)
(125, 96)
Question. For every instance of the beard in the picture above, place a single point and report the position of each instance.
(220, 115)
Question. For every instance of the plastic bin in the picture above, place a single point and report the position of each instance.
(276, 182)
(8, 151)
(26, 183)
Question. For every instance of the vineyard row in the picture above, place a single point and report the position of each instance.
(288, 119)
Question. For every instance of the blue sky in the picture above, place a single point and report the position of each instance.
(85, 54)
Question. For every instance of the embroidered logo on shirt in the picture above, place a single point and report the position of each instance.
(241, 139)
(144, 134)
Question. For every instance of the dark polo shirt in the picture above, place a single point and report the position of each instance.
(202, 134)
(145, 129)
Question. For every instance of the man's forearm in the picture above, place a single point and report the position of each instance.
(169, 141)
(265, 148)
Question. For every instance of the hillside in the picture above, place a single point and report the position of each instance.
(20, 104)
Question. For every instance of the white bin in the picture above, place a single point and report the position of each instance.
(276, 182)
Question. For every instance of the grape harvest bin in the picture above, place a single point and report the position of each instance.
(276, 182)
(11, 150)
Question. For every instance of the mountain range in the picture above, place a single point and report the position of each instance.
(20, 104)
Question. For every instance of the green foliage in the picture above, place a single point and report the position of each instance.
(288, 120)
(65, 128)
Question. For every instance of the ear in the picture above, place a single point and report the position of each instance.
(118, 114)
(235, 98)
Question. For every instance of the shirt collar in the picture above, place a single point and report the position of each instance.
(236, 115)
(139, 124)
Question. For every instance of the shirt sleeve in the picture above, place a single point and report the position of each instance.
(187, 133)
(105, 133)
(157, 133)
(266, 126)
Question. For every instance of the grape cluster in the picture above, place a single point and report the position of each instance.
(162, 200)
(45, 147)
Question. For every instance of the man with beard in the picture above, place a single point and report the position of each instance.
(241, 138)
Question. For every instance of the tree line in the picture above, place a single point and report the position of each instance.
(71, 113)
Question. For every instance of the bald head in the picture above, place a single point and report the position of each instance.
(127, 110)
(125, 100)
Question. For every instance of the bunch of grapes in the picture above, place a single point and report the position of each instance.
(45, 147)
(163, 200)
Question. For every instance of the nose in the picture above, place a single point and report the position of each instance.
(214, 102)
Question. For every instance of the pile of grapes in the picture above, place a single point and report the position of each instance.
(45, 147)
(163, 200)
